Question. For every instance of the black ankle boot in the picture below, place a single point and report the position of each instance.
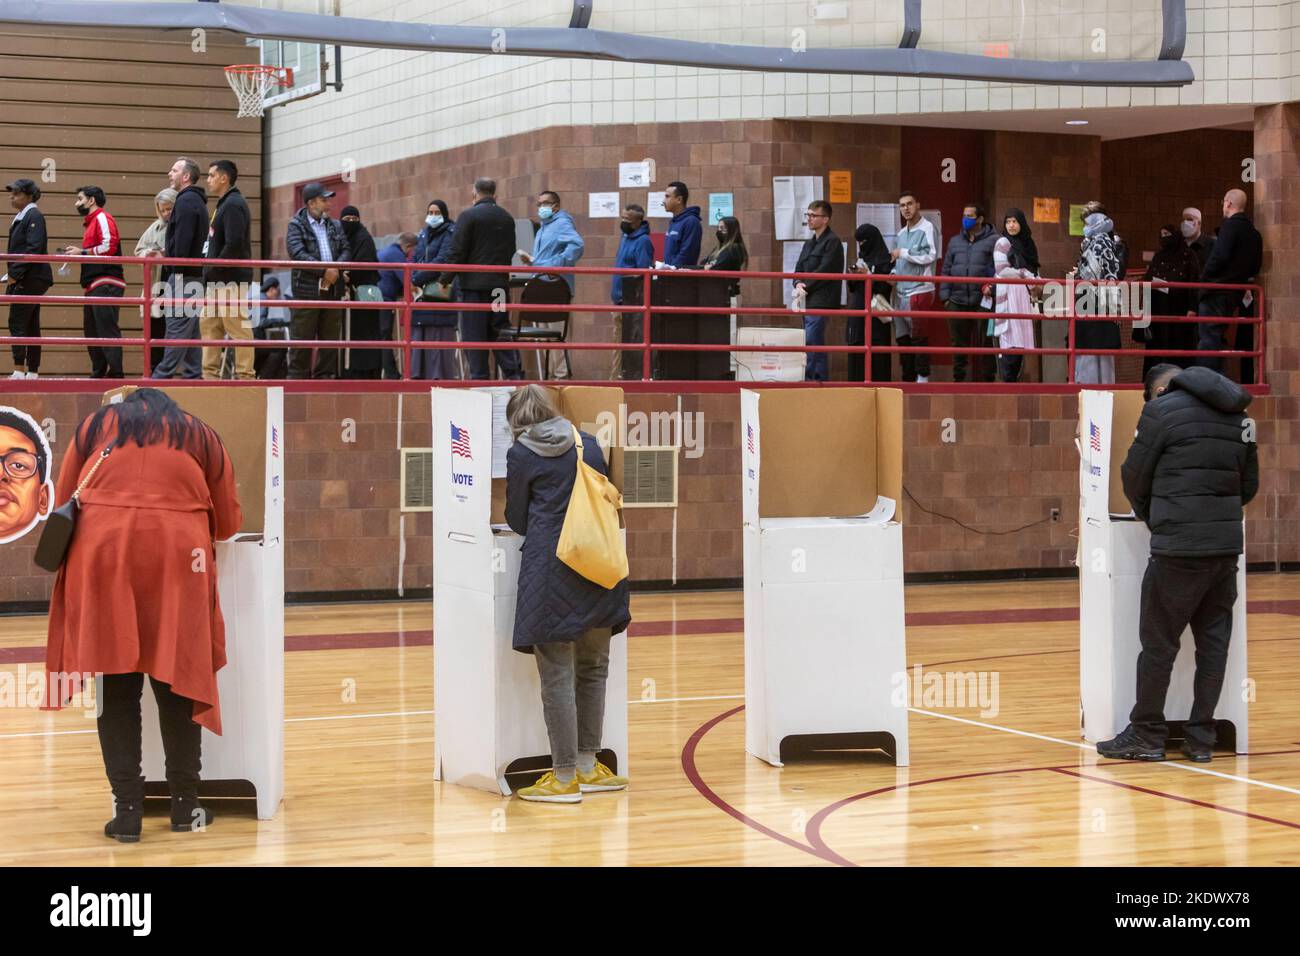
(126, 823)
(188, 814)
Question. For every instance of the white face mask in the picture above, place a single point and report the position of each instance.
(1188, 229)
(433, 221)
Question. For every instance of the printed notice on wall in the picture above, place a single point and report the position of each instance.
(654, 206)
(634, 175)
(790, 198)
(602, 206)
(1047, 210)
(501, 437)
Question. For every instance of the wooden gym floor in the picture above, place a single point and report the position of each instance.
(1012, 788)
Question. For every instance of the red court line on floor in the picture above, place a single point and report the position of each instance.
(1173, 796)
(722, 625)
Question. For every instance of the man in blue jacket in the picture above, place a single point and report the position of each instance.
(635, 251)
(682, 241)
(556, 243)
(390, 284)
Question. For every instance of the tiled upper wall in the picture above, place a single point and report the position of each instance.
(397, 104)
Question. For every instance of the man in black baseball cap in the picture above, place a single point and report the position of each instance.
(312, 236)
(27, 236)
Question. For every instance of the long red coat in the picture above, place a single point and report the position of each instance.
(138, 591)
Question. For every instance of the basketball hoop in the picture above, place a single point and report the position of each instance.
(252, 81)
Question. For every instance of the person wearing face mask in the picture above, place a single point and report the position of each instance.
(100, 280)
(729, 256)
(363, 324)
(433, 246)
(1094, 328)
(314, 237)
(1174, 261)
(556, 243)
(635, 251)
(970, 253)
(875, 259)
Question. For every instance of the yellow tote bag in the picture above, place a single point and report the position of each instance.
(591, 542)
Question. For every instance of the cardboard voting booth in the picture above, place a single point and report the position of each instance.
(1113, 550)
(249, 754)
(822, 473)
(487, 699)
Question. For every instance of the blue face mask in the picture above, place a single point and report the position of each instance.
(545, 212)
(967, 223)
(433, 221)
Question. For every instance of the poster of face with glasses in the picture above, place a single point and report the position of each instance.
(26, 484)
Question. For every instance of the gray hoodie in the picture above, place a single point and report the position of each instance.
(550, 439)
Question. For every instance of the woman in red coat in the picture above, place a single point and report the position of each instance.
(137, 593)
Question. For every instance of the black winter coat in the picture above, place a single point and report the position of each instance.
(27, 237)
(1237, 254)
(1190, 470)
(187, 231)
(300, 241)
(822, 255)
(968, 257)
(484, 236)
(554, 602)
(230, 237)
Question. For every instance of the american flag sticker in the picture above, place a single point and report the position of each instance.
(1094, 436)
(460, 442)
(749, 438)
(275, 442)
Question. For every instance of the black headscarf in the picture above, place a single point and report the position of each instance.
(1024, 253)
(872, 249)
(1174, 261)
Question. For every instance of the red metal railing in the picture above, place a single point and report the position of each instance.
(407, 305)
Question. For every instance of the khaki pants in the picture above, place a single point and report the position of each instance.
(219, 320)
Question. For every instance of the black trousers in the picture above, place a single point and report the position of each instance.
(270, 363)
(881, 362)
(1009, 367)
(1177, 592)
(1211, 334)
(25, 321)
(100, 322)
(318, 323)
(482, 326)
(119, 736)
(969, 333)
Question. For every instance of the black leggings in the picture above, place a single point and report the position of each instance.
(119, 736)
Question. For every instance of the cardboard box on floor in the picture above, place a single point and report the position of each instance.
(825, 452)
(239, 415)
(817, 668)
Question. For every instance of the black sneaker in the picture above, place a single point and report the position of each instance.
(1130, 746)
(1196, 753)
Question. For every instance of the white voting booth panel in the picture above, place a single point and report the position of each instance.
(487, 696)
(824, 624)
(250, 582)
(1113, 553)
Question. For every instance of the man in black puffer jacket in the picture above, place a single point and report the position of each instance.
(1192, 468)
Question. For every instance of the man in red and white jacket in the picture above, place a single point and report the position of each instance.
(100, 279)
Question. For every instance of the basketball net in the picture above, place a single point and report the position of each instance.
(252, 81)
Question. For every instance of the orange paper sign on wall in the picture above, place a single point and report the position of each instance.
(841, 185)
(1047, 210)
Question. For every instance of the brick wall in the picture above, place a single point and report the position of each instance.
(1012, 460)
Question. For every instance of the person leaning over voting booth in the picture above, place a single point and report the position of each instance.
(564, 620)
(1191, 469)
(137, 591)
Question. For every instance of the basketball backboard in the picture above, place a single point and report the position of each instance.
(307, 60)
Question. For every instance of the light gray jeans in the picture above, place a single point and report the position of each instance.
(1094, 369)
(573, 677)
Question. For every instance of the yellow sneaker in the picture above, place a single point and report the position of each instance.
(549, 789)
(600, 779)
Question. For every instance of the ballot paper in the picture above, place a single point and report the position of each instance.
(883, 512)
(501, 437)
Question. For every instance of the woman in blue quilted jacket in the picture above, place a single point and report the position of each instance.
(561, 618)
